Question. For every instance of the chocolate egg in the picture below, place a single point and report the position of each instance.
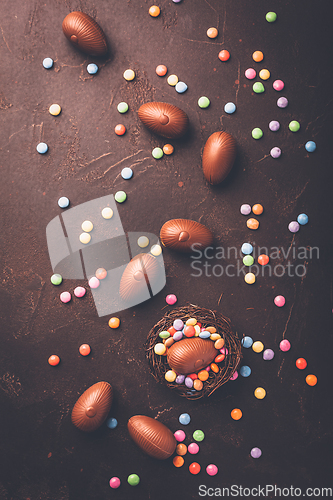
(92, 408)
(191, 355)
(164, 119)
(142, 268)
(181, 234)
(218, 156)
(153, 437)
(85, 34)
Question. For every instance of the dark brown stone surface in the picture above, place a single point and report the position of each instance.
(43, 456)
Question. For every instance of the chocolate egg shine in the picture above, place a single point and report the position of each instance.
(153, 437)
(164, 119)
(218, 157)
(191, 355)
(181, 234)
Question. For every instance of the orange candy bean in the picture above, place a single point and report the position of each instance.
(311, 380)
(203, 375)
(120, 129)
(84, 349)
(224, 55)
(114, 322)
(257, 209)
(161, 70)
(178, 461)
(54, 360)
(168, 149)
(257, 56)
(154, 11)
(214, 368)
(252, 223)
(236, 414)
(101, 273)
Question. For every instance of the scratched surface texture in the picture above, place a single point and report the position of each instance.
(43, 456)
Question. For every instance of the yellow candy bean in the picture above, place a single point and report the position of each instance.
(191, 321)
(172, 80)
(249, 278)
(159, 349)
(257, 346)
(260, 393)
(170, 376)
(197, 330)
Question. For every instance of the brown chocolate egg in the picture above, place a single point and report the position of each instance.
(181, 234)
(142, 268)
(164, 119)
(218, 156)
(153, 437)
(92, 408)
(191, 355)
(85, 34)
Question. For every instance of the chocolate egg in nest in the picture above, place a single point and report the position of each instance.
(200, 358)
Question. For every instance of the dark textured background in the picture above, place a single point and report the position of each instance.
(43, 456)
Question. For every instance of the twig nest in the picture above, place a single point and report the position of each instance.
(201, 351)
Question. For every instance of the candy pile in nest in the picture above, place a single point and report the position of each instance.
(198, 350)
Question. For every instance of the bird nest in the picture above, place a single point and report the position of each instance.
(159, 364)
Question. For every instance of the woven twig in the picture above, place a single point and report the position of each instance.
(159, 365)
